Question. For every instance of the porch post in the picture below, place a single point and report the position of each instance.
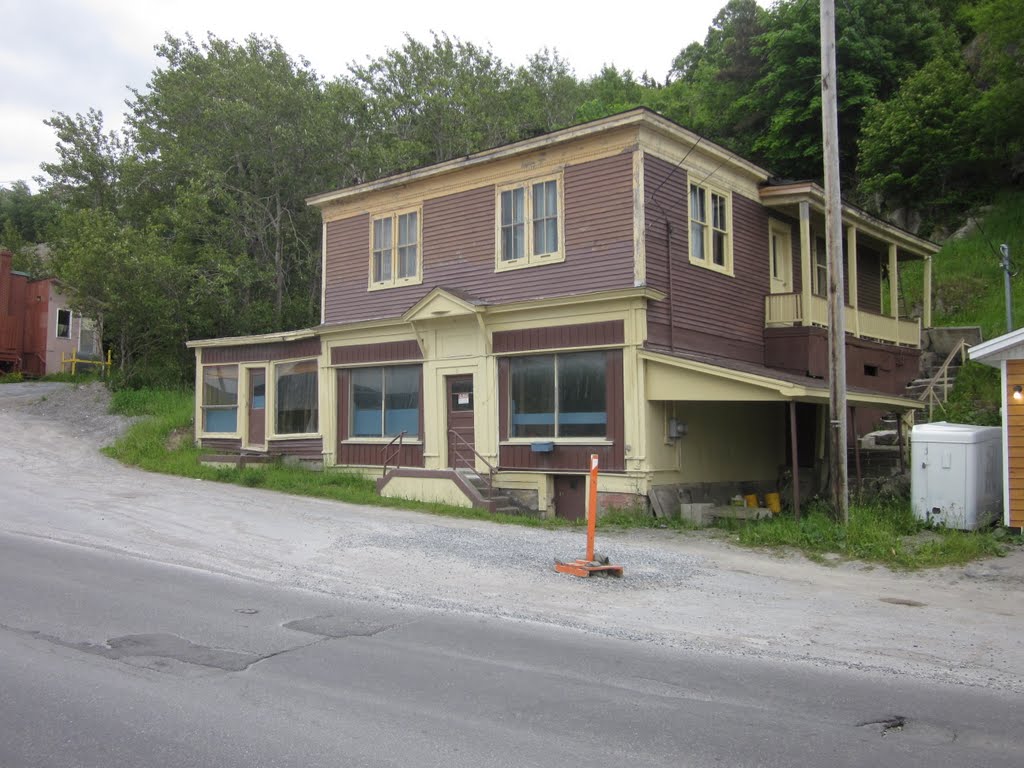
(851, 271)
(894, 283)
(805, 263)
(793, 458)
(926, 314)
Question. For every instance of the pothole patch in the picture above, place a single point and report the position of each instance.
(885, 725)
(340, 626)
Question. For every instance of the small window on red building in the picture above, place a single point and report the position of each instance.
(63, 323)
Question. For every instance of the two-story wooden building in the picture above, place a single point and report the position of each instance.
(623, 288)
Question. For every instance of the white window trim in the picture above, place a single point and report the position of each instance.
(56, 324)
(529, 259)
(396, 281)
(708, 262)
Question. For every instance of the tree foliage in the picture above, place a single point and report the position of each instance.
(192, 222)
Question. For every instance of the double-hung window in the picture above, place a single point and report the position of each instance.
(296, 403)
(710, 244)
(220, 398)
(819, 283)
(385, 401)
(562, 395)
(529, 224)
(395, 257)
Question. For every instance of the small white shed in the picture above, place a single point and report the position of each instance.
(956, 474)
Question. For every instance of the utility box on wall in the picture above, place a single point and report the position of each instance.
(956, 474)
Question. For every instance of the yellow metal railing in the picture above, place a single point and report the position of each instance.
(786, 309)
(74, 361)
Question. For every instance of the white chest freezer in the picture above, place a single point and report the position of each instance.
(956, 474)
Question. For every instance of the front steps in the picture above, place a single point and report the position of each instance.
(453, 486)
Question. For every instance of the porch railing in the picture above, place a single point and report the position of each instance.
(937, 390)
(787, 309)
(461, 446)
(392, 452)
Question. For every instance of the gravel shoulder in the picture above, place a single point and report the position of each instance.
(692, 590)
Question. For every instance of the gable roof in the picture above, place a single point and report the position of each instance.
(639, 117)
(1009, 346)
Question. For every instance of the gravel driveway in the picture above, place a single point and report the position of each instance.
(685, 590)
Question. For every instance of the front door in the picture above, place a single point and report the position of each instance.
(570, 497)
(781, 255)
(257, 433)
(460, 421)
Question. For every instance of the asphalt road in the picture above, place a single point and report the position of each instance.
(110, 660)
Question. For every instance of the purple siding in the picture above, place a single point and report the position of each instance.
(221, 444)
(278, 350)
(705, 311)
(458, 248)
(553, 337)
(308, 448)
(376, 353)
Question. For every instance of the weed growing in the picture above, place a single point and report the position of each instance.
(878, 532)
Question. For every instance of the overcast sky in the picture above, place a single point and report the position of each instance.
(70, 55)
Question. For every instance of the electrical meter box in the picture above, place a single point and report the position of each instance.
(956, 474)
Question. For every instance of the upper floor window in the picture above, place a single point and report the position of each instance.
(395, 250)
(529, 224)
(710, 225)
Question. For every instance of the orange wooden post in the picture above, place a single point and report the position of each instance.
(592, 508)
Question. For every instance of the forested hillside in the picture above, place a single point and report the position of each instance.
(191, 222)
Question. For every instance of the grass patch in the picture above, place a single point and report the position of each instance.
(885, 533)
(148, 445)
(636, 517)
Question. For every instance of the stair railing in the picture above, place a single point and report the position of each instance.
(460, 444)
(392, 452)
(941, 377)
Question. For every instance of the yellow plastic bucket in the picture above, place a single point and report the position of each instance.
(751, 500)
(773, 502)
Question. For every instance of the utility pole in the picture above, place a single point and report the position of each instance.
(834, 248)
(1004, 250)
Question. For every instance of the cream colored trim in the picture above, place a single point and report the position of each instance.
(440, 303)
(323, 273)
(200, 421)
(639, 222)
(851, 274)
(894, 283)
(529, 258)
(707, 262)
(271, 398)
(651, 294)
(784, 232)
(790, 194)
(245, 403)
(197, 406)
(395, 281)
(806, 255)
(774, 389)
(265, 338)
(926, 313)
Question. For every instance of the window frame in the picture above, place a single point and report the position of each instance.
(710, 228)
(819, 268)
(529, 258)
(394, 281)
(71, 320)
(204, 407)
(272, 397)
(351, 437)
(602, 439)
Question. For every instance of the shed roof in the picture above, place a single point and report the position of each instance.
(1009, 346)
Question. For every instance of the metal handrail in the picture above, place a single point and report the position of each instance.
(929, 395)
(458, 453)
(395, 454)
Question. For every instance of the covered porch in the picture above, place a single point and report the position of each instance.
(705, 398)
(873, 253)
